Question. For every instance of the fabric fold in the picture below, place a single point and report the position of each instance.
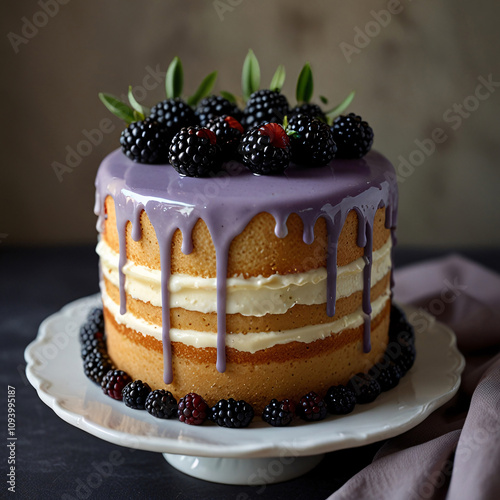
(455, 452)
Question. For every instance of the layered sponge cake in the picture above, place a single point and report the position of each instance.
(245, 286)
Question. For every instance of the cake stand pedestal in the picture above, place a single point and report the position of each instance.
(244, 471)
(259, 454)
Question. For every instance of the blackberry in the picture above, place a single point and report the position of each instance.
(401, 350)
(266, 150)
(405, 338)
(231, 413)
(400, 329)
(264, 106)
(172, 115)
(90, 331)
(113, 383)
(213, 106)
(311, 110)
(228, 131)
(365, 388)
(353, 136)
(96, 365)
(279, 413)
(313, 142)
(388, 377)
(398, 318)
(194, 152)
(135, 394)
(406, 359)
(161, 404)
(192, 409)
(96, 317)
(311, 407)
(401, 340)
(340, 400)
(92, 345)
(145, 142)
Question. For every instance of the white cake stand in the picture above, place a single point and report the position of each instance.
(256, 455)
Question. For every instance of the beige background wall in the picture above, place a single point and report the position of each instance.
(413, 73)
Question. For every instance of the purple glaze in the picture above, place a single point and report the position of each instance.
(164, 242)
(367, 279)
(229, 201)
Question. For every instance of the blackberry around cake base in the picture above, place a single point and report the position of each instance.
(328, 362)
(62, 385)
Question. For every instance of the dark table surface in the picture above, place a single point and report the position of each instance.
(54, 459)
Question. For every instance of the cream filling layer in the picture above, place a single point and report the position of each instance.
(254, 296)
(246, 342)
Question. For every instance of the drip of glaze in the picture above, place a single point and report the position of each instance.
(281, 229)
(172, 202)
(223, 230)
(309, 219)
(165, 242)
(127, 211)
(221, 266)
(334, 225)
(366, 220)
(165, 221)
(367, 274)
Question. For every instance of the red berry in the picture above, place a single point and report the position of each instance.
(207, 134)
(234, 123)
(113, 383)
(288, 405)
(277, 134)
(311, 407)
(192, 409)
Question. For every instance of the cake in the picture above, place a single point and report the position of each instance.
(244, 286)
(222, 284)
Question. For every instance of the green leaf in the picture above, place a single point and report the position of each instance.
(278, 78)
(203, 90)
(340, 108)
(323, 99)
(118, 108)
(140, 110)
(227, 95)
(250, 76)
(305, 85)
(174, 79)
(289, 131)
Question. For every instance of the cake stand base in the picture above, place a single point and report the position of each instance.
(244, 471)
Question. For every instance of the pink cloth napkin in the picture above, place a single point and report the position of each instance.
(455, 453)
